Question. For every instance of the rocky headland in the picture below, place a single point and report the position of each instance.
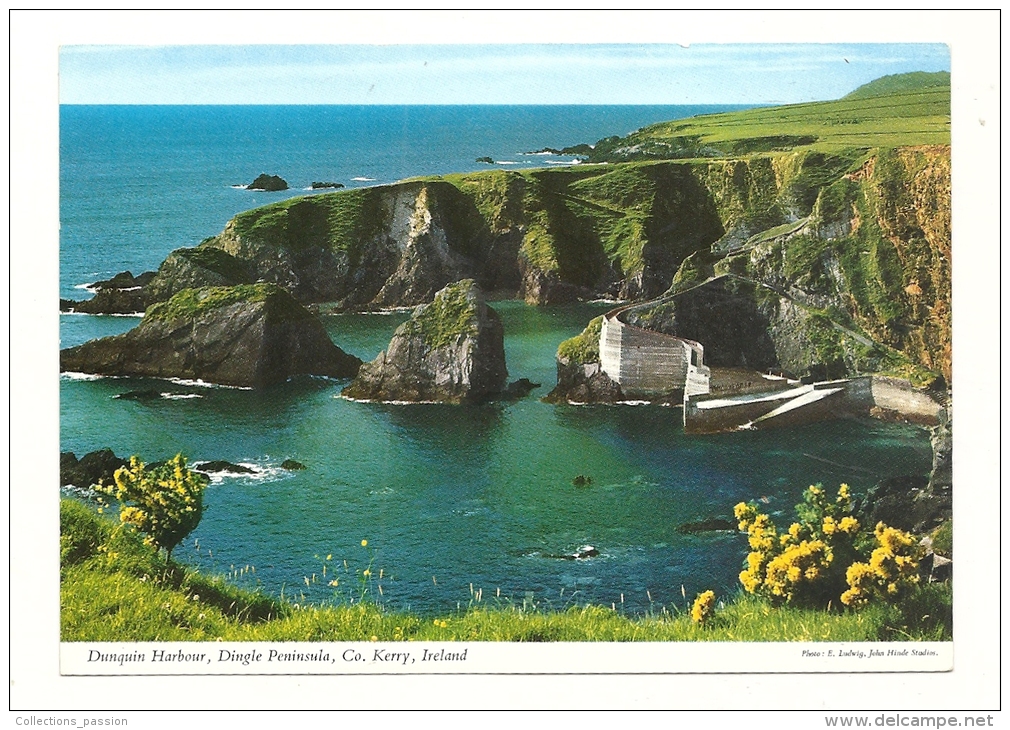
(449, 351)
(248, 335)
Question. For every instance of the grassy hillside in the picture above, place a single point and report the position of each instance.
(894, 111)
(900, 83)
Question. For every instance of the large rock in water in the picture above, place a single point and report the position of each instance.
(248, 335)
(449, 351)
(269, 183)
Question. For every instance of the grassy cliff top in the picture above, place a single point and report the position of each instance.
(585, 346)
(190, 304)
(451, 314)
(894, 111)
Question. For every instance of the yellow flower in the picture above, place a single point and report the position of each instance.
(702, 608)
(366, 572)
(364, 543)
(848, 525)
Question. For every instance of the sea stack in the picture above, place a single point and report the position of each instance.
(250, 335)
(450, 351)
(270, 183)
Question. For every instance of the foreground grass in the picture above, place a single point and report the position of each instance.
(114, 588)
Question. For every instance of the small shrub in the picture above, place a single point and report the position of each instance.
(703, 608)
(165, 503)
(892, 570)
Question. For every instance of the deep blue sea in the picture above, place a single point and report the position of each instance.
(447, 497)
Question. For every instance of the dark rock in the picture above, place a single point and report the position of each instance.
(449, 351)
(252, 335)
(270, 183)
(904, 502)
(583, 383)
(710, 525)
(125, 280)
(317, 185)
(582, 481)
(114, 301)
(942, 569)
(292, 465)
(519, 389)
(485, 160)
(96, 467)
(124, 293)
(67, 305)
(68, 463)
(586, 551)
(214, 467)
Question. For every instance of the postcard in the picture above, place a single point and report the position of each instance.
(531, 358)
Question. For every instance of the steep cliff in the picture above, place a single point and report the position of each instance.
(872, 259)
(830, 265)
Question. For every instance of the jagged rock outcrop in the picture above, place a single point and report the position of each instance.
(122, 294)
(249, 335)
(96, 467)
(270, 183)
(449, 351)
(184, 268)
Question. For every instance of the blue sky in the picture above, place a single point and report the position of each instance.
(482, 74)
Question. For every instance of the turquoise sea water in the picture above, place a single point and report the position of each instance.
(446, 496)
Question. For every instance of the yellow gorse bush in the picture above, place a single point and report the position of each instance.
(893, 568)
(165, 503)
(703, 608)
(822, 554)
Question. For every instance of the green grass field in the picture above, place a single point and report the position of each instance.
(905, 118)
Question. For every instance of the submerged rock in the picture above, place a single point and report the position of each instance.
(250, 335)
(711, 525)
(520, 389)
(146, 394)
(292, 465)
(449, 351)
(214, 467)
